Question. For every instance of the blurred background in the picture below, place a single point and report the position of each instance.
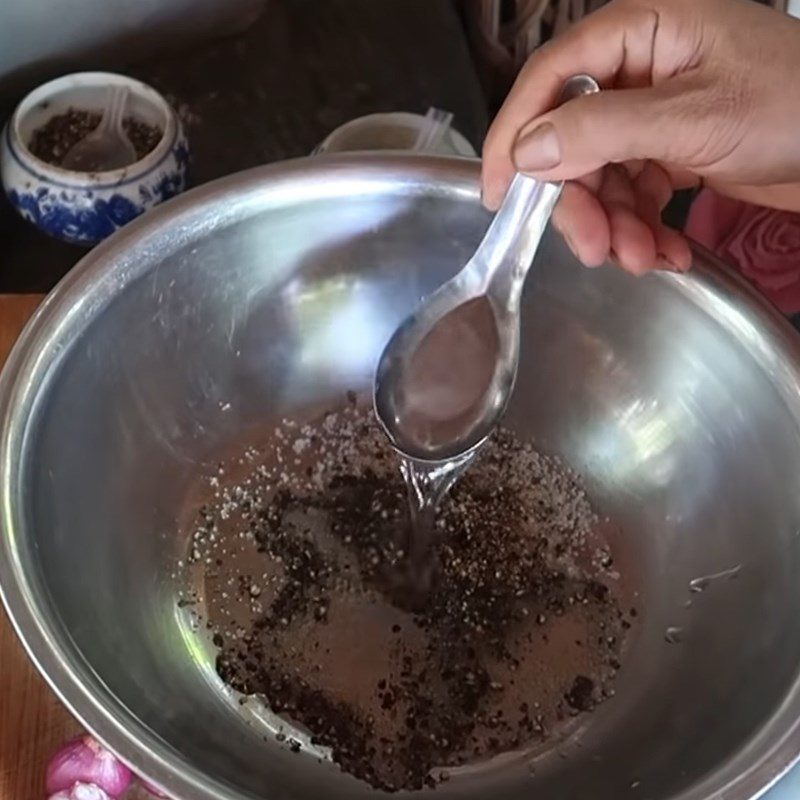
(255, 81)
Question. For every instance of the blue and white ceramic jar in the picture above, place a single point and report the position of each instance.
(81, 207)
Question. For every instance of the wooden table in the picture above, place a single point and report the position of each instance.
(33, 723)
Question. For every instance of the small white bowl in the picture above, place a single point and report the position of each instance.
(393, 131)
(82, 207)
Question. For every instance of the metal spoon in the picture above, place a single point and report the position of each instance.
(445, 378)
(107, 147)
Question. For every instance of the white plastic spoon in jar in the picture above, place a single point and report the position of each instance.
(107, 147)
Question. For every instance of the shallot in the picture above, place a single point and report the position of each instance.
(86, 764)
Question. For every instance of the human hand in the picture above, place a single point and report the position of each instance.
(694, 91)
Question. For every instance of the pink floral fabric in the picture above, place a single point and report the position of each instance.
(762, 243)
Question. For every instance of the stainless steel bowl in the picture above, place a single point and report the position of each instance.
(677, 397)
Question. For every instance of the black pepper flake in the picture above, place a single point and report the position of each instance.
(579, 696)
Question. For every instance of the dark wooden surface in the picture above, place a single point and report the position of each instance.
(275, 92)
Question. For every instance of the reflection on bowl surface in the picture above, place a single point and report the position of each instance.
(187, 337)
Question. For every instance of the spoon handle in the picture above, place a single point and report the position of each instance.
(508, 248)
(114, 111)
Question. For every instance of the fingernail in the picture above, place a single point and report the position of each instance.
(662, 262)
(538, 149)
(570, 244)
(665, 265)
(490, 199)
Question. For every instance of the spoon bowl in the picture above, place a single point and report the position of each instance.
(450, 438)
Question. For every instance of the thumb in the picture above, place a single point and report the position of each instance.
(589, 132)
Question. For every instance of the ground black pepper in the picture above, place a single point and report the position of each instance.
(300, 556)
(60, 133)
